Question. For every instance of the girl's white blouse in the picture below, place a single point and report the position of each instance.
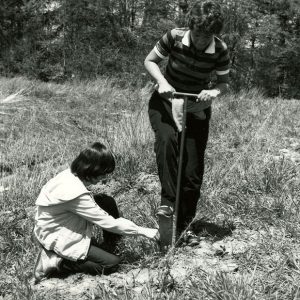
(65, 213)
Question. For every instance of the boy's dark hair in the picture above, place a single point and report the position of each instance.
(206, 16)
(93, 161)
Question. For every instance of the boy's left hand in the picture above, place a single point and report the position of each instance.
(207, 95)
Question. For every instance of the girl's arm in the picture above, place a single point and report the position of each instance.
(86, 207)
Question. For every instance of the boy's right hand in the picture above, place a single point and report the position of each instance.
(165, 90)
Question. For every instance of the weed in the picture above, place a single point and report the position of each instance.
(47, 124)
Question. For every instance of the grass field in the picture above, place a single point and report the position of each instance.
(251, 182)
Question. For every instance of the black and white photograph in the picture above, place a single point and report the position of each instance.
(149, 149)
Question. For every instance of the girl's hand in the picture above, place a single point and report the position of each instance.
(208, 95)
(150, 233)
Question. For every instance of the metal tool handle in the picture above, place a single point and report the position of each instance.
(179, 93)
(180, 165)
(185, 94)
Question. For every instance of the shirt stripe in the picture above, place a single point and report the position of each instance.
(159, 53)
(190, 69)
(222, 72)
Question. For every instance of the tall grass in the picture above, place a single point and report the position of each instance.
(246, 179)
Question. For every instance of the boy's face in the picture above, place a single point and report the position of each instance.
(201, 39)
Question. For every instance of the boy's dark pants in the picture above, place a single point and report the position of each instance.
(167, 141)
(98, 261)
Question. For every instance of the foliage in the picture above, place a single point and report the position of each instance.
(57, 40)
(263, 39)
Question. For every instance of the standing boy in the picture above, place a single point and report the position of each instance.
(193, 54)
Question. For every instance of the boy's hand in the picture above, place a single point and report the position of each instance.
(165, 90)
(207, 95)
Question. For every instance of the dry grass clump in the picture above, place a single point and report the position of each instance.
(248, 182)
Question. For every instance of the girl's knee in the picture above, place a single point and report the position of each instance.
(108, 204)
(109, 267)
(115, 260)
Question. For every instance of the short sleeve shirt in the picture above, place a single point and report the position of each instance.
(188, 69)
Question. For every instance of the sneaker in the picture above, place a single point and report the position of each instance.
(165, 210)
(47, 263)
(191, 239)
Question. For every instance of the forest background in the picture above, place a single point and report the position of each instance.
(86, 39)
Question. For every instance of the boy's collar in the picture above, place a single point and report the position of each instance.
(186, 40)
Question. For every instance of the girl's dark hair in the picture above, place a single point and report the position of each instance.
(206, 16)
(93, 161)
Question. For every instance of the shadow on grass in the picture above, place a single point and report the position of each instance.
(205, 228)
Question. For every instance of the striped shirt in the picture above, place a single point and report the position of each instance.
(188, 69)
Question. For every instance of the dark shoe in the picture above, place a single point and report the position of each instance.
(165, 211)
(46, 264)
(191, 239)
